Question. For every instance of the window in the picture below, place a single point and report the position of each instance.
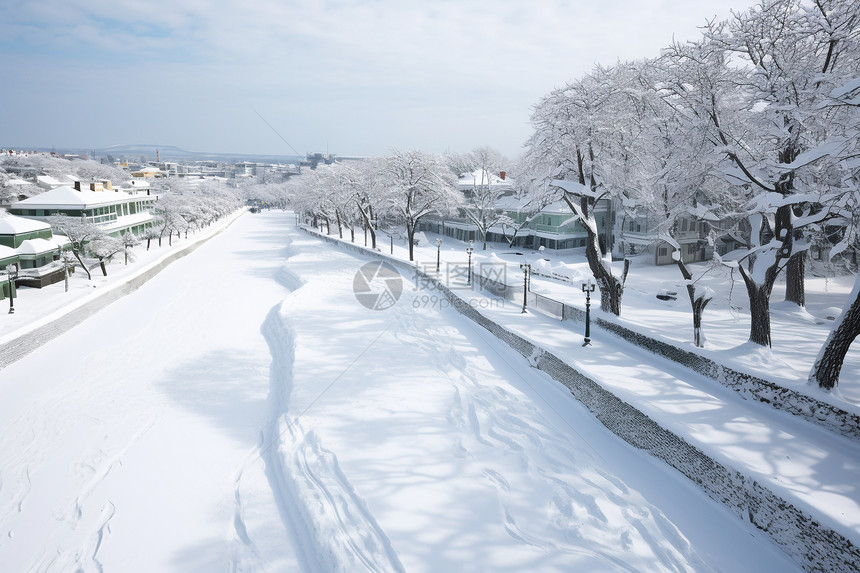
(662, 251)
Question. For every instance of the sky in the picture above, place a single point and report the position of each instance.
(350, 77)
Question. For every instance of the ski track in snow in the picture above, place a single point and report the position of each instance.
(334, 530)
(330, 525)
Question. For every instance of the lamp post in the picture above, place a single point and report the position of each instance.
(12, 274)
(588, 288)
(438, 251)
(527, 271)
(469, 251)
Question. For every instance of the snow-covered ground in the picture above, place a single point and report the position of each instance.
(798, 334)
(244, 411)
(814, 470)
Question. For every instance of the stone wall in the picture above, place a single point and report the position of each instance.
(750, 387)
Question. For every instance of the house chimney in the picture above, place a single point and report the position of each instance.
(502, 175)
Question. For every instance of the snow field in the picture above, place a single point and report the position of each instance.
(243, 411)
(813, 469)
(466, 471)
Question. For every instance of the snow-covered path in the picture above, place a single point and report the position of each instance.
(243, 411)
(123, 442)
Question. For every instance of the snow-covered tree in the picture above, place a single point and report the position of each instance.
(480, 169)
(367, 182)
(80, 234)
(104, 248)
(129, 241)
(828, 363)
(419, 184)
(755, 85)
(577, 155)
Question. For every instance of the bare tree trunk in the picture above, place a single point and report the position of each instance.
(828, 365)
(698, 305)
(759, 297)
(410, 235)
(611, 287)
(83, 266)
(795, 270)
(368, 226)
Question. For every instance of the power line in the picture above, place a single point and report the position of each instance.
(278, 134)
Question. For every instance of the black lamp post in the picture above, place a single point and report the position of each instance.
(469, 250)
(12, 274)
(588, 288)
(438, 250)
(527, 271)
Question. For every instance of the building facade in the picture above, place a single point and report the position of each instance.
(116, 211)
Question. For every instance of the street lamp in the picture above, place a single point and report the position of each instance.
(527, 271)
(469, 250)
(12, 274)
(588, 288)
(438, 250)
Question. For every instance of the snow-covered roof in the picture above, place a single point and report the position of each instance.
(482, 177)
(47, 181)
(7, 252)
(14, 225)
(70, 198)
(37, 246)
(512, 203)
(17, 181)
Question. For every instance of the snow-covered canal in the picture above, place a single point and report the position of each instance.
(244, 411)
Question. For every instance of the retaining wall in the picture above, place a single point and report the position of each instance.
(749, 386)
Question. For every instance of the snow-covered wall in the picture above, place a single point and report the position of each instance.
(750, 387)
(815, 547)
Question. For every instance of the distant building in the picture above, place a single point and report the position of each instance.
(553, 227)
(148, 172)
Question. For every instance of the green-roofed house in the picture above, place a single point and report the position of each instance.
(31, 245)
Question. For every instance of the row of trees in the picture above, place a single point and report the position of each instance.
(399, 189)
(754, 128)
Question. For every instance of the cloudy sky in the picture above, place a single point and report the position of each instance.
(354, 77)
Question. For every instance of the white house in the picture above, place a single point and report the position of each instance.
(115, 210)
